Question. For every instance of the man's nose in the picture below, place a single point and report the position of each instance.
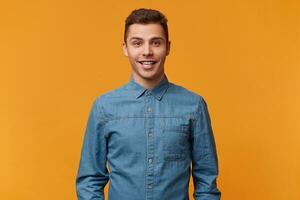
(147, 50)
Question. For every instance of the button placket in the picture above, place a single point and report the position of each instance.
(150, 144)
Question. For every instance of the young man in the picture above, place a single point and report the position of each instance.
(148, 131)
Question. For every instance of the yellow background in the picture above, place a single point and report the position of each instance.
(243, 57)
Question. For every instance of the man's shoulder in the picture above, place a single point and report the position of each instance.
(117, 92)
(181, 90)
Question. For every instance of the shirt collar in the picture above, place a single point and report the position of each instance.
(158, 91)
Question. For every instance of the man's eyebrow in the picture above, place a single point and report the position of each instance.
(157, 38)
(154, 38)
(135, 38)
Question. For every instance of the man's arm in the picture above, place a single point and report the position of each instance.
(92, 173)
(204, 156)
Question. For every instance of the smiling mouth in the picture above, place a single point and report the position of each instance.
(147, 63)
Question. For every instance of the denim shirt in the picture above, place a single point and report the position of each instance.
(147, 143)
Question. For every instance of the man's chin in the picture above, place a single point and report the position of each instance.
(150, 77)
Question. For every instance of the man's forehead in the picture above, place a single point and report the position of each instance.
(146, 31)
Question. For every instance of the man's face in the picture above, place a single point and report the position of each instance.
(146, 49)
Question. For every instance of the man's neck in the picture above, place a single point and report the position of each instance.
(148, 84)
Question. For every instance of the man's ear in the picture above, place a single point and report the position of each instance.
(168, 47)
(125, 49)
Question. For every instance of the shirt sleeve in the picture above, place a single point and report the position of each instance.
(204, 156)
(92, 173)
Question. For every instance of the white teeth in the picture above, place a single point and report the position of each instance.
(147, 62)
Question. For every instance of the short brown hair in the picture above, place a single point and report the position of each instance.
(146, 16)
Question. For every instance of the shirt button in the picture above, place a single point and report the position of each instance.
(150, 134)
(150, 160)
(149, 109)
(149, 186)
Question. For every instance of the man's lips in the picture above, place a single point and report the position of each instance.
(147, 62)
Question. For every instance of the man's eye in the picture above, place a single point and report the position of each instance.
(156, 43)
(136, 43)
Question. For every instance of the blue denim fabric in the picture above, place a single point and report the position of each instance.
(147, 142)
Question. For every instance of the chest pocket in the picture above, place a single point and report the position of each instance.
(176, 138)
